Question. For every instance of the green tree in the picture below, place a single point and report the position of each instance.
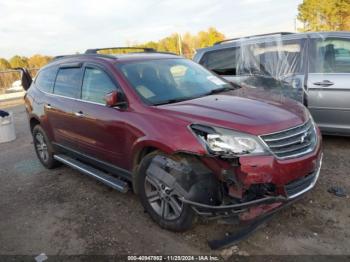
(189, 43)
(209, 37)
(18, 61)
(37, 61)
(169, 44)
(4, 64)
(325, 15)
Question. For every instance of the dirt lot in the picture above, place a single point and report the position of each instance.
(64, 212)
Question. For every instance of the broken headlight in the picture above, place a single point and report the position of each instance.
(224, 142)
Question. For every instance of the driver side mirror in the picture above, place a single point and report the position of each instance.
(115, 99)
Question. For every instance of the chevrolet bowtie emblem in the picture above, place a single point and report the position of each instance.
(302, 139)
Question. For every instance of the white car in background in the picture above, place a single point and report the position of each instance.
(15, 87)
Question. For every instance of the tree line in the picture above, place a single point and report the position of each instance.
(35, 61)
(186, 44)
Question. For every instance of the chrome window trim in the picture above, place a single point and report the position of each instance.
(71, 98)
(83, 67)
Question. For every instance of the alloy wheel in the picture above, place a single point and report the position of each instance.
(163, 199)
(41, 147)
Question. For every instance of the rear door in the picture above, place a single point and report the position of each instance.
(329, 84)
(59, 108)
(44, 82)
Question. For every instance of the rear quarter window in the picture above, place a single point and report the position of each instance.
(68, 82)
(45, 79)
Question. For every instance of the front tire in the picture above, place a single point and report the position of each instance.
(43, 148)
(160, 200)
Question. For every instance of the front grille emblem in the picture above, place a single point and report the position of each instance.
(302, 139)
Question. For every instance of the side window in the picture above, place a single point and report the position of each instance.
(276, 57)
(222, 62)
(46, 78)
(96, 85)
(332, 56)
(68, 82)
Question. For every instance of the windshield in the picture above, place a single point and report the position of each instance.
(171, 80)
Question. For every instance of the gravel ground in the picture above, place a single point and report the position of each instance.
(62, 212)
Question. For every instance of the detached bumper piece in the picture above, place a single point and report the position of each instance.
(233, 239)
(230, 210)
(244, 232)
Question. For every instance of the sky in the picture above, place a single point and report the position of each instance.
(57, 27)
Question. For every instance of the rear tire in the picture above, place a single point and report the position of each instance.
(43, 148)
(160, 201)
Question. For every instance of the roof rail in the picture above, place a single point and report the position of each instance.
(95, 51)
(80, 55)
(252, 36)
(95, 54)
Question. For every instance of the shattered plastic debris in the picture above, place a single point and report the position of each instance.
(41, 257)
(337, 191)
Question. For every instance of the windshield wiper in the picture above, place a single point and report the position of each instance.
(220, 90)
(170, 101)
(212, 92)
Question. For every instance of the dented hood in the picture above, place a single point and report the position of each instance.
(244, 110)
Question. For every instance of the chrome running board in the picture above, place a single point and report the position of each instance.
(103, 177)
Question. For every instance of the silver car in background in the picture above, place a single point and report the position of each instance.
(313, 68)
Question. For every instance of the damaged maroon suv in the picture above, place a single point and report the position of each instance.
(186, 141)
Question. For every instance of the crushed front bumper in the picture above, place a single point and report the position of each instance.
(262, 206)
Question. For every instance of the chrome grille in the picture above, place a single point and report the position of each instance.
(293, 142)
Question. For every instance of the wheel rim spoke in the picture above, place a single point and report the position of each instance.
(166, 210)
(175, 206)
(39, 138)
(162, 208)
(153, 196)
(41, 147)
(45, 155)
(153, 182)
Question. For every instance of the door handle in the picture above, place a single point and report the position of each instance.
(79, 114)
(324, 83)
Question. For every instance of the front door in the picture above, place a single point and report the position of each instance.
(99, 128)
(329, 84)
